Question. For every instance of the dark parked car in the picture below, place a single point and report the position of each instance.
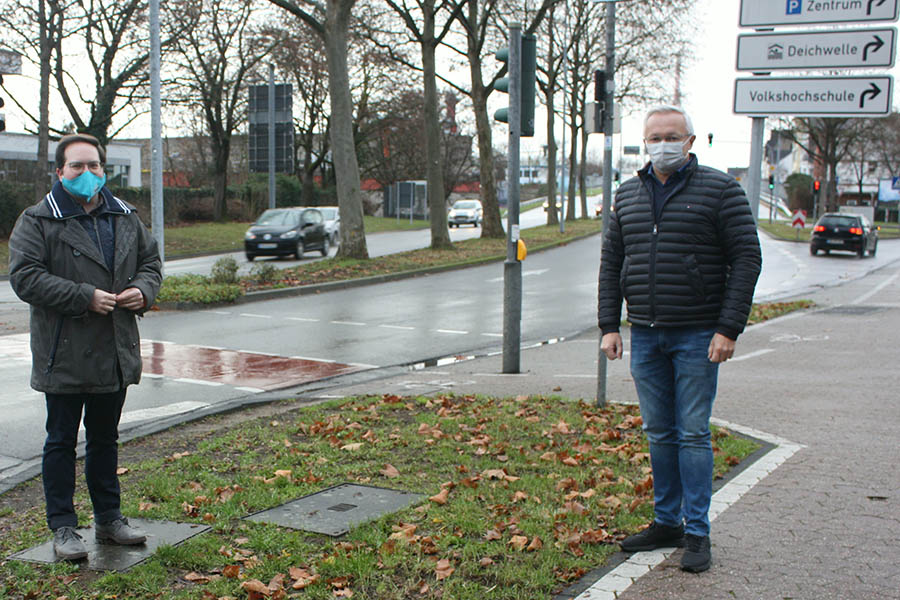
(286, 231)
(844, 231)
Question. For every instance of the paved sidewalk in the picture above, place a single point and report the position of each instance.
(825, 524)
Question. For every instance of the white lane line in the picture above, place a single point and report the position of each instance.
(524, 274)
(217, 312)
(501, 374)
(252, 390)
(620, 579)
(324, 360)
(198, 381)
(403, 327)
(354, 323)
(876, 289)
(303, 319)
(146, 414)
(576, 376)
(453, 331)
(492, 334)
(256, 316)
(363, 365)
(751, 355)
(152, 376)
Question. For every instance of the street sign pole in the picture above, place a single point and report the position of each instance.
(512, 267)
(157, 210)
(271, 132)
(757, 132)
(609, 115)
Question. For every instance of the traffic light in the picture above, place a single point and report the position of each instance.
(710, 136)
(771, 182)
(600, 96)
(816, 186)
(527, 69)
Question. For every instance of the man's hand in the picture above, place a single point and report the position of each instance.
(131, 298)
(611, 345)
(102, 302)
(721, 348)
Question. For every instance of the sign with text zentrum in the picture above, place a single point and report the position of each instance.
(814, 96)
(764, 13)
(845, 49)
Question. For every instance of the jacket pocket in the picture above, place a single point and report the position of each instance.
(695, 277)
(51, 357)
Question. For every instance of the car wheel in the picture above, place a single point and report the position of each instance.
(325, 247)
(861, 253)
(813, 250)
(298, 251)
(250, 257)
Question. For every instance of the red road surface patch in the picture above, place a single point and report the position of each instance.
(232, 367)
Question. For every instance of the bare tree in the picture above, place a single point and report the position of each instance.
(218, 51)
(331, 22)
(827, 140)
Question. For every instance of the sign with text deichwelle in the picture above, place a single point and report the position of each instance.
(766, 13)
(814, 96)
(848, 49)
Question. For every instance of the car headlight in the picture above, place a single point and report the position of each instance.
(249, 236)
(287, 235)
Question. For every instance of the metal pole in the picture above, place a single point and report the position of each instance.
(607, 163)
(157, 211)
(562, 151)
(756, 152)
(271, 136)
(512, 267)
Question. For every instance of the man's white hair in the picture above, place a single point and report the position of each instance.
(668, 108)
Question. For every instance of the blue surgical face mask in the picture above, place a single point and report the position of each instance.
(85, 186)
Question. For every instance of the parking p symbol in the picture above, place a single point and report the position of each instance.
(794, 7)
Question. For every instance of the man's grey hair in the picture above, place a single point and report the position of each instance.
(668, 108)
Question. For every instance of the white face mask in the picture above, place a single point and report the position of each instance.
(667, 156)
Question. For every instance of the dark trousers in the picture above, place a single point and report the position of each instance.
(101, 424)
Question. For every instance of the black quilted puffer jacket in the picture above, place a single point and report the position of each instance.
(696, 267)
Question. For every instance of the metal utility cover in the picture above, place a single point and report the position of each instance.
(112, 557)
(335, 510)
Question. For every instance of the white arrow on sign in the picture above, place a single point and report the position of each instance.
(817, 50)
(760, 13)
(814, 96)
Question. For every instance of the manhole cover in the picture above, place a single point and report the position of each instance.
(111, 557)
(335, 510)
(853, 310)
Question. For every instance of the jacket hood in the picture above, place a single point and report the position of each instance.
(59, 204)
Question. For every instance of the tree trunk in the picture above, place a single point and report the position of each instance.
(42, 167)
(437, 207)
(581, 174)
(552, 214)
(353, 235)
(492, 224)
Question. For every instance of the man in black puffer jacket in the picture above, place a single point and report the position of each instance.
(683, 251)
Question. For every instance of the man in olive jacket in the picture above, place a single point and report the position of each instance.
(683, 251)
(87, 266)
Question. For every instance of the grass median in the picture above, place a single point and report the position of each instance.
(522, 497)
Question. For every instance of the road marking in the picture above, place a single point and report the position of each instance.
(620, 579)
(354, 323)
(492, 334)
(575, 376)
(363, 365)
(303, 319)
(256, 316)
(159, 412)
(876, 289)
(751, 355)
(453, 331)
(198, 381)
(217, 312)
(501, 374)
(405, 328)
(252, 390)
(324, 360)
(524, 274)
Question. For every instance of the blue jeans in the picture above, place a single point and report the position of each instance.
(101, 428)
(676, 386)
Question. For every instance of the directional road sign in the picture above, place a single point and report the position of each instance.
(763, 13)
(817, 50)
(814, 96)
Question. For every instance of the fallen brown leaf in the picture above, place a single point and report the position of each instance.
(443, 569)
(390, 471)
(441, 497)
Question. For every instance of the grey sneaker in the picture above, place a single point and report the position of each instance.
(119, 532)
(67, 544)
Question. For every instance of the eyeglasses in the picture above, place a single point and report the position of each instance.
(655, 139)
(94, 165)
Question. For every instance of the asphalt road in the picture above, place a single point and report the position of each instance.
(215, 359)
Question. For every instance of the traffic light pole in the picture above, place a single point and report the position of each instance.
(608, 115)
(512, 267)
(157, 207)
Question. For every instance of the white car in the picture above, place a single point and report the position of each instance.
(465, 212)
(332, 223)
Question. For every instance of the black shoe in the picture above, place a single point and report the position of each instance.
(697, 556)
(67, 544)
(655, 536)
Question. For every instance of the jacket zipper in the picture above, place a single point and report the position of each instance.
(653, 239)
